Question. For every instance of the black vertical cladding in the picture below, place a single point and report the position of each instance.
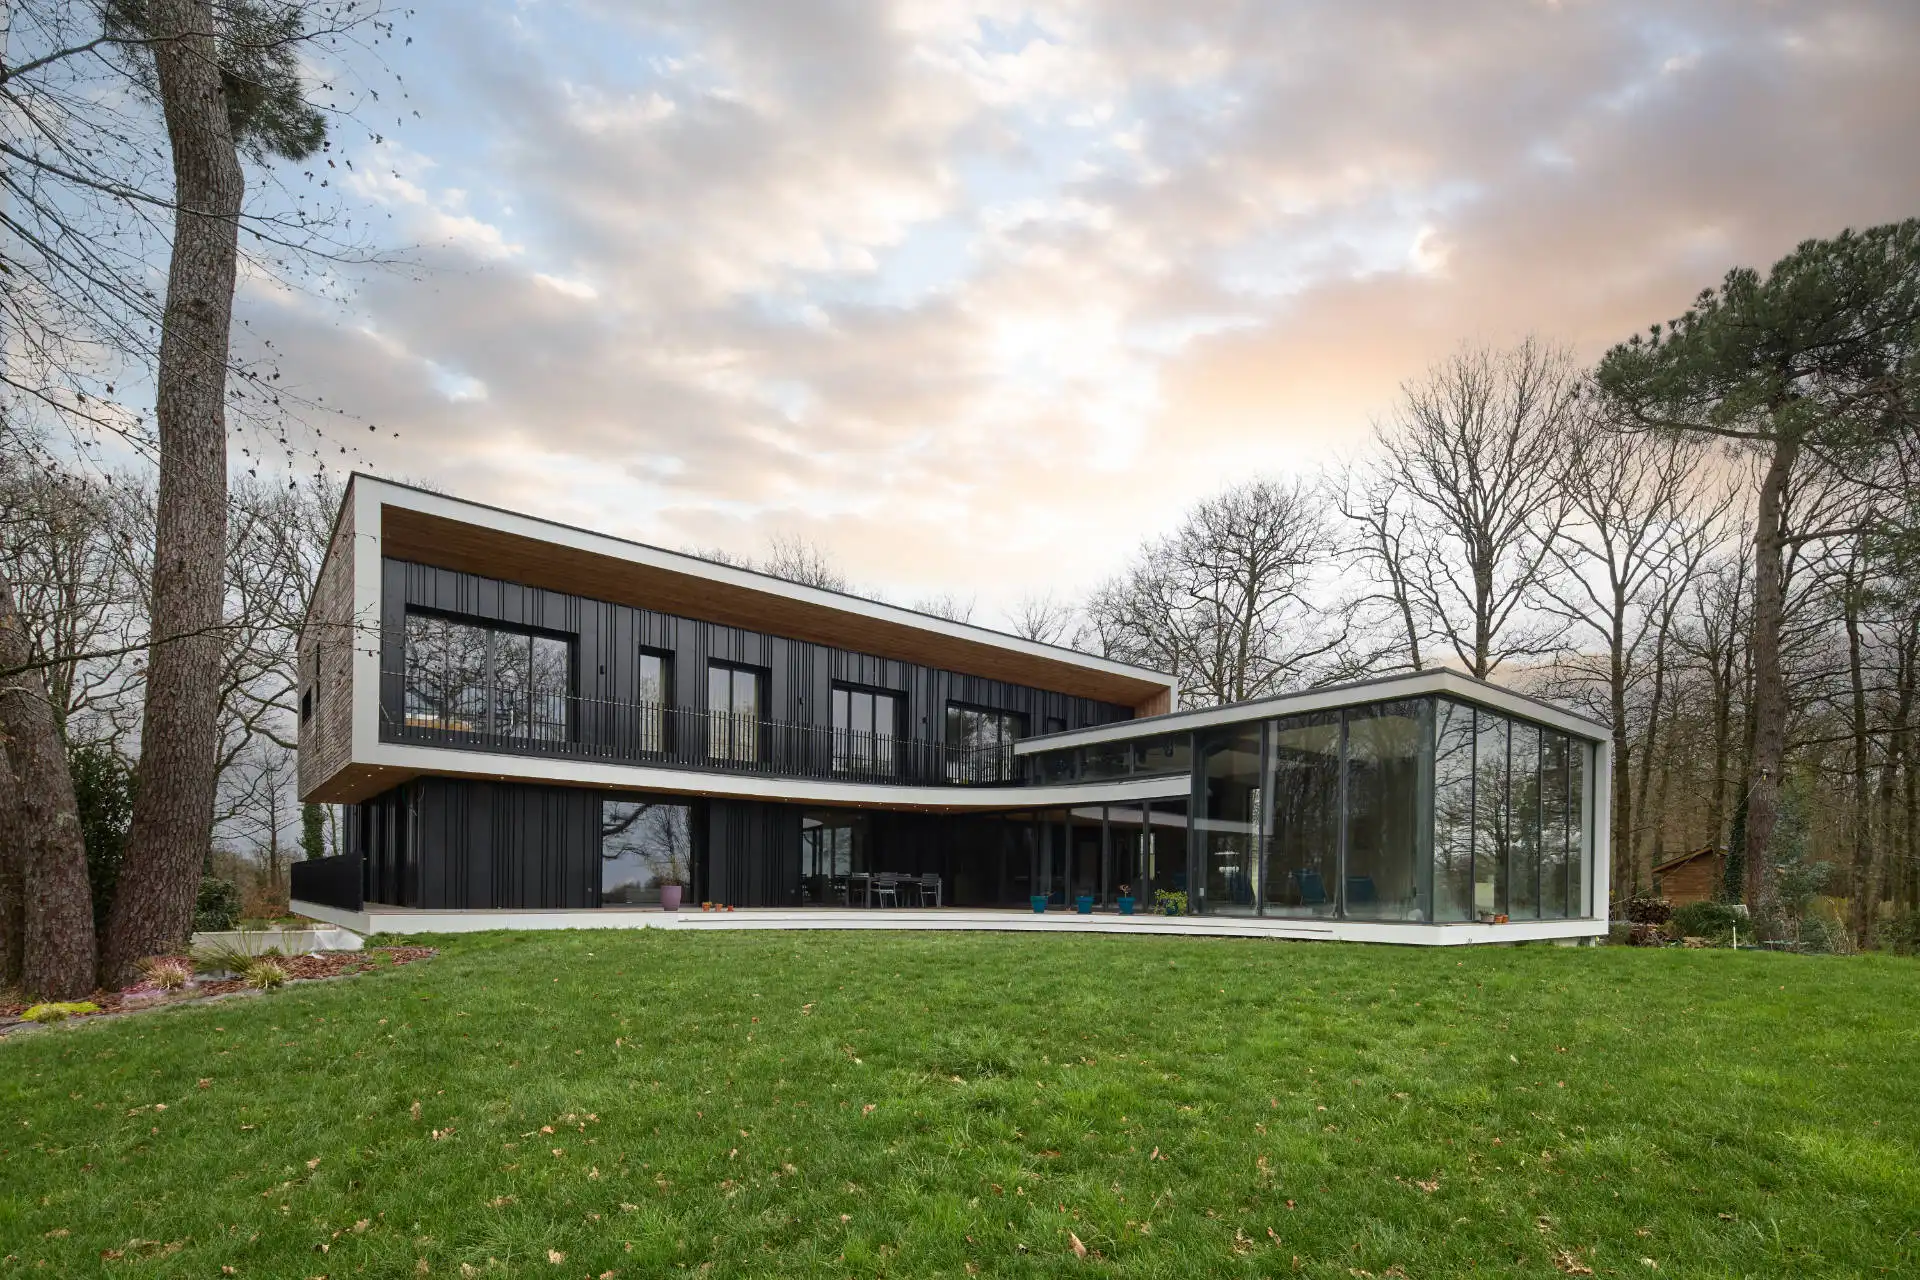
(797, 675)
(753, 854)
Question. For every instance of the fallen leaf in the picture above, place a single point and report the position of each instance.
(1568, 1262)
(556, 1257)
(1079, 1250)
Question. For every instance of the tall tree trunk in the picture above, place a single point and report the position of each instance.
(1642, 865)
(1622, 832)
(13, 920)
(1722, 753)
(57, 944)
(1861, 893)
(173, 812)
(1769, 680)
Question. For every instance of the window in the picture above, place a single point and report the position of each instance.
(472, 679)
(1230, 823)
(1453, 811)
(980, 743)
(306, 706)
(1169, 753)
(1303, 858)
(733, 713)
(1384, 877)
(652, 695)
(643, 845)
(866, 723)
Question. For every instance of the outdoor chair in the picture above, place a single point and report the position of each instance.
(1360, 890)
(929, 884)
(1311, 888)
(886, 890)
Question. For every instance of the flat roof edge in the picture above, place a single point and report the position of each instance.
(1351, 693)
(504, 519)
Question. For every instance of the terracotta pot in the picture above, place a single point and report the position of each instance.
(670, 897)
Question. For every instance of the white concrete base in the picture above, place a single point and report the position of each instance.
(289, 942)
(379, 919)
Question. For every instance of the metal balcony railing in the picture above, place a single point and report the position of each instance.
(681, 738)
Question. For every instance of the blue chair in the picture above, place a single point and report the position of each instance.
(1360, 890)
(1311, 888)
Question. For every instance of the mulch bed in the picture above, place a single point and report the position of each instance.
(317, 967)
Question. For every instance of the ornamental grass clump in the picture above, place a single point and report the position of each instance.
(168, 973)
(264, 973)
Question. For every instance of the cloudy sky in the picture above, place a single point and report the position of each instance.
(978, 296)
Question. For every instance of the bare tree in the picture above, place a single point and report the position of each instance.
(1043, 617)
(75, 548)
(1230, 600)
(1386, 549)
(792, 557)
(946, 605)
(1470, 482)
(1638, 530)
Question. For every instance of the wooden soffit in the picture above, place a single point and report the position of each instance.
(427, 538)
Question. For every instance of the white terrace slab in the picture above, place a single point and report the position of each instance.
(378, 919)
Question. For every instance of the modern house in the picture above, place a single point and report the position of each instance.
(534, 725)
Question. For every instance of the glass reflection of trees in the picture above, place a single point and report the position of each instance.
(643, 845)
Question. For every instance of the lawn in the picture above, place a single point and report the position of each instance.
(953, 1104)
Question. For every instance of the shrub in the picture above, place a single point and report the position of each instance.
(1619, 935)
(1646, 910)
(1901, 934)
(1824, 937)
(59, 1010)
(1174, 898)
(264, 973)
(1712, 920)
(1645, 935)
(103, 799)
(216, 907)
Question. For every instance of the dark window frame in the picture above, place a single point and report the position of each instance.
(734, 737)
(489, 685)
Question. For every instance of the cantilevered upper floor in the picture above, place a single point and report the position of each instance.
(453, 638)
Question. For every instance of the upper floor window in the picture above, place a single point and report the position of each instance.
(464, 677)
(733, 712)
(652, 696)
(980, 742)
(866, 725)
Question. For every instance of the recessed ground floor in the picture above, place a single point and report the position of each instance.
(1408, 819)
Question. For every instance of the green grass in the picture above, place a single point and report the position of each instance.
(928, 1104)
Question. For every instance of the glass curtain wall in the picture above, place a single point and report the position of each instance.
(1303, 851)
(1453, 775)
(1420, 810)
(1388, 876)
(1229, 818)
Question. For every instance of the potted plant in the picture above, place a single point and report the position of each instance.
(672, 866)
(1126, 899)
(1083, 903)
(1039, 904)
(1171, 901)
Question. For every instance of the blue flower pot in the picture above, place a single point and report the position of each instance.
(1126, 906)
(1039, 901)
(1084, 904)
